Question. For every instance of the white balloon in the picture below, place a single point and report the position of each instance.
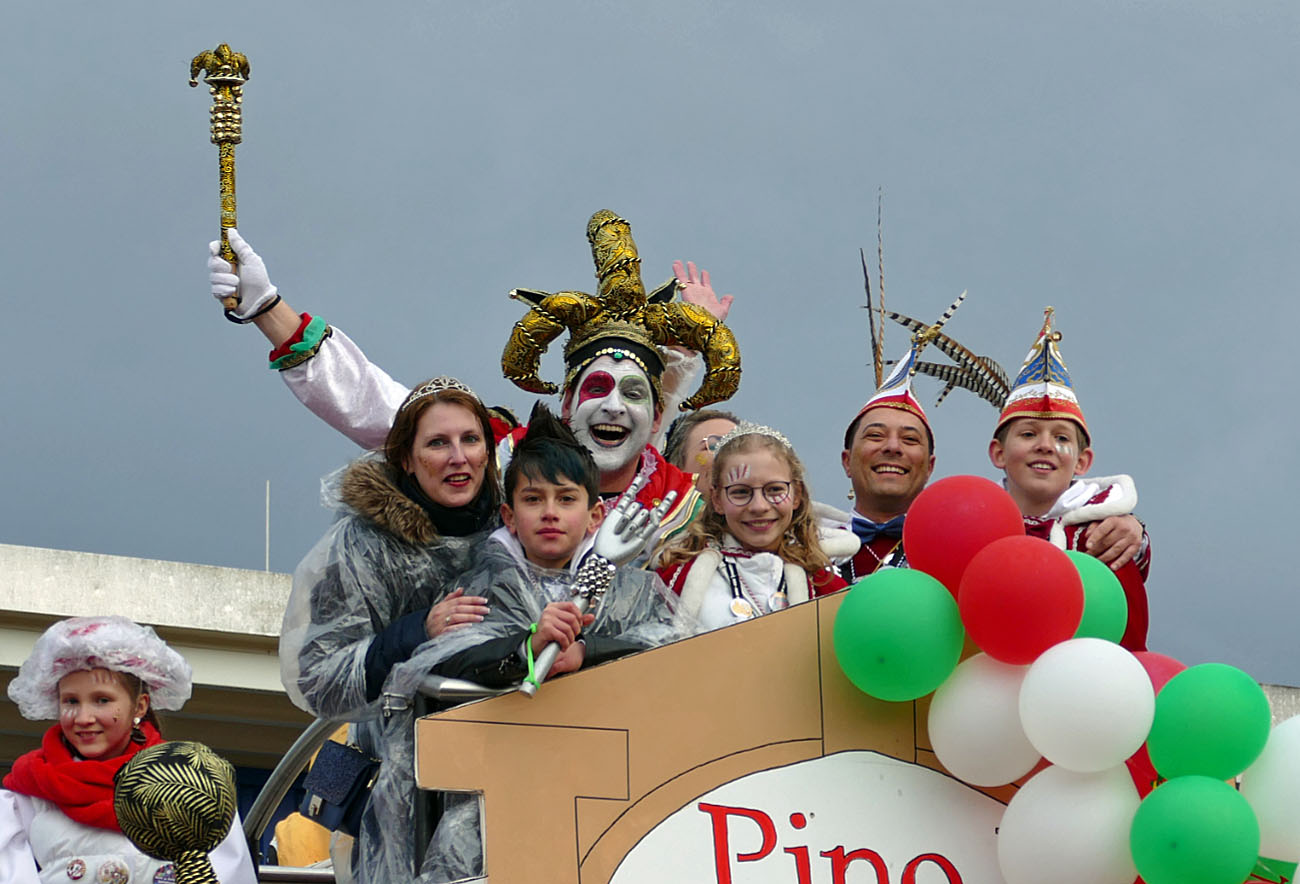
(1272, 786)
(1069, 828)
(974, 723)
(1086, 704)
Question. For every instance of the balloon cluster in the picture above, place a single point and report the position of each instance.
(1127, 753)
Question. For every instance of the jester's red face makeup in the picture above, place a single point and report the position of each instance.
(596, 385)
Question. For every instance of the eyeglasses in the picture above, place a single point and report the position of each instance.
(712, 442)
(774, 493)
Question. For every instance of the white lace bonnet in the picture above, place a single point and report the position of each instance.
(114, 643)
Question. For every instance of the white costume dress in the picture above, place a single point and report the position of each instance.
(762, 584)
(36, 833)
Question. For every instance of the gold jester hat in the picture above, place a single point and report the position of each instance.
(620, 320)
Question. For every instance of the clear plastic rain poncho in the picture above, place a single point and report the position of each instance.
(637, 612)
(377, 563)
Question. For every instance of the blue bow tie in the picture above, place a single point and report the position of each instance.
(868, 530)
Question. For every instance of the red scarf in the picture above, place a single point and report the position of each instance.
(83, 789)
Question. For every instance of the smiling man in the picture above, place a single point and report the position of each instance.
(888, 457)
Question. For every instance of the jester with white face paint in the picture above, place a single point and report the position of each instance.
(620, 340)
(612, 404)
(612, 412)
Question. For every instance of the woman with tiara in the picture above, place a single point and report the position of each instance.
(381, 582)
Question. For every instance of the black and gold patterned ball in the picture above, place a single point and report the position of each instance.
(176, 801)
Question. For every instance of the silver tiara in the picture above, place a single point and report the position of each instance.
(745, 428)
(440, 384)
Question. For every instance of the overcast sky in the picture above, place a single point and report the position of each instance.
(406, 164)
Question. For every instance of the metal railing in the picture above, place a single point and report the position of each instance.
(281, 780)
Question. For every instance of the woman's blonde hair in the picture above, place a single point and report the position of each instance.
(800, 544)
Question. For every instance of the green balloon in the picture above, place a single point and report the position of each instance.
(1105, 609)
(1194, 830)
(898, 634)
(1212, 720)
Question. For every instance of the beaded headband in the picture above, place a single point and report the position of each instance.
(745, 428)
(433, 386)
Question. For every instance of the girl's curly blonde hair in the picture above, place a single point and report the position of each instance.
(800, 544)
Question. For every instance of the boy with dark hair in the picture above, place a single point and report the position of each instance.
(1042, 444)
(530, 569)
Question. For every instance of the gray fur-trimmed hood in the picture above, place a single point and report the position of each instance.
(369, 488)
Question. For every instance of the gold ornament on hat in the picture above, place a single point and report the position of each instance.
(620, 311)
(226, 72)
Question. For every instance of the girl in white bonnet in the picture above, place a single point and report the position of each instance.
(101, 678)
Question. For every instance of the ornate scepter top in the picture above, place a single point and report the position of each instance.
(226, 72)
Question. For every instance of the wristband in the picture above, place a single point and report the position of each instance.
(264, 309)
(311, 333)
(528, 654)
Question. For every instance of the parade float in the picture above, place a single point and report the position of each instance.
(841, 740)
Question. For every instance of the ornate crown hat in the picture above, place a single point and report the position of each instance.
(1043, 389)
(621, 321)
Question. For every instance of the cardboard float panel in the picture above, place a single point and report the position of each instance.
(611, 770)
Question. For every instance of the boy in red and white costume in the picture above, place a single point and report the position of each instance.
(1042, 445)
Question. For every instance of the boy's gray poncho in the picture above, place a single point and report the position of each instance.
(637, 612)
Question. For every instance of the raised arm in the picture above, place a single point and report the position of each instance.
(321, 366)
(682, 365)
(698, 290)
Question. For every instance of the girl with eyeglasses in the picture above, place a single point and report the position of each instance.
(756, 548)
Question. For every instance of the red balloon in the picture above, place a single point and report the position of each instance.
(1160, 668)
(1018, 597)
(953, 519)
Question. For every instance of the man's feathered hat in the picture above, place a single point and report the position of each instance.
(621, 321)
(895, 391)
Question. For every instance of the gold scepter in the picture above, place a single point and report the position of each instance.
(226, 72)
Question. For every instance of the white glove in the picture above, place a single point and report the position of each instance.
(628, 528)
(252, 286)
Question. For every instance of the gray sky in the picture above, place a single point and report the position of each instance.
(405, 164)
